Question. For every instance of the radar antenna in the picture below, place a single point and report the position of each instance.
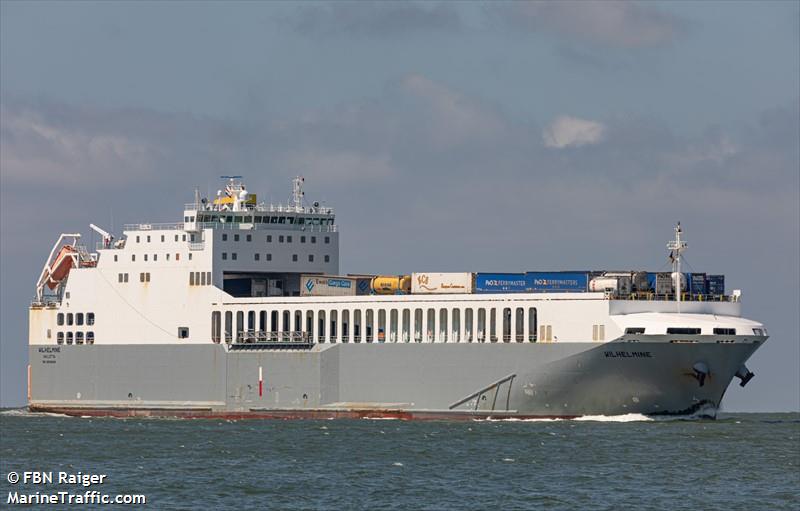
(677, 247)
(297, 192)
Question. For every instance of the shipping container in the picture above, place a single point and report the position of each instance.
(363, 285)
(697, 284)
(547, 282)
(660, 283)
(324, 285)
(620, 285)
(716, 284)
(440, 283)
(500, 283)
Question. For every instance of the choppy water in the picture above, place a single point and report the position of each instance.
(740, 461)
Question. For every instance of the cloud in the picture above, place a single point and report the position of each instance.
(454, 117)
(622, 24)
(566, 131)
(372, 19)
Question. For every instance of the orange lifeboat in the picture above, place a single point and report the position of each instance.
(61, 266)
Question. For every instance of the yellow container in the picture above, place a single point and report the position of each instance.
(389, 285)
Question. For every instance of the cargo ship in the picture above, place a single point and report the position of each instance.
(240, 310)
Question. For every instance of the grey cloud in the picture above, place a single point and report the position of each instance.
(623, 24)
(372, 19)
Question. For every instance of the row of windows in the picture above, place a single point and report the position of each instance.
(163, 238)
(281, 238)
(144, 277)
(154, 258)
(268, 257)
(395, 325)
(261, 219)
(683, 331)
(74, 318)
(77, 337)
(199, 278)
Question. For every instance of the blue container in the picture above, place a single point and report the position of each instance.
(548, 282)
(651, 281)
(697, 283)
(500, 283)
(716, 284)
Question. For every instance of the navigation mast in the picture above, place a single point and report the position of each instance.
(677, 247)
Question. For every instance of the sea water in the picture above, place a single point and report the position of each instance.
(739, 461)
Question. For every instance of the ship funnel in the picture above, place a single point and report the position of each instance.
(700, 372)
(744, 374)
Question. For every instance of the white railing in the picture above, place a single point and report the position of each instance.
(154, 227)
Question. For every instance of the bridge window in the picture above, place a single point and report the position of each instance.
(327, 258)
(468, 325)
(327, 239)
(532, 320)
(507, 324)
(269, 238)
(724, 331)
(228, 326)
(684, 331)
(288, 239)
(634, 330)
(79, 319)
(60, 337)
(191, 278)
(90, 318)
(313, 239)
(89, 337)
(70, 319)
(310, 258)
(235, 237)
(233, 256)
(269, 257)
(224, 237)
(280, 239)
(224, 256)
(78, 337)
(257, 256)
(60, 319)
(239, 325)
(302, 239)
(249, 237)
(481, 332)
(69, 337)
(294, 258)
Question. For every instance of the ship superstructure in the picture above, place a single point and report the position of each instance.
(239, 310)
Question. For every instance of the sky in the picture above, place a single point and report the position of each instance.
(447, 137)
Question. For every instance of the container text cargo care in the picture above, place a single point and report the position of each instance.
(500, 283)
(441, 283)
(548, 282)
(316, 285)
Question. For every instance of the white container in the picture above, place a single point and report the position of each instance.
(441, 283)
(327, 285)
